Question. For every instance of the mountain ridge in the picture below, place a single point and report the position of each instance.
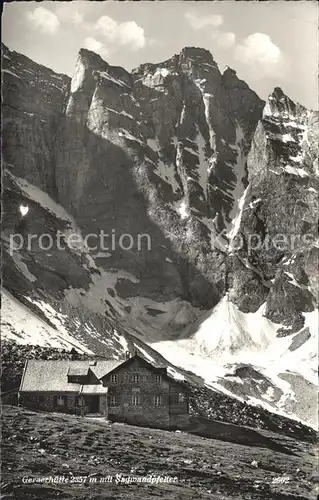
(193, 158)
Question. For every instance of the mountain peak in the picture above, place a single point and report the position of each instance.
(92, 59)
(280, 104)
(196, 55)
(197, 52)
(230, 71)
(187, 55)
(278, 93)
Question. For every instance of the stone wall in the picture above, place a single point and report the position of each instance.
(74, 402)
(48, 402)
(149, 385)
(146, 388)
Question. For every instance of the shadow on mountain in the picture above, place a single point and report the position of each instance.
(120, 194)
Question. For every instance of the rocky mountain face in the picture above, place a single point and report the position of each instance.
(216, 192)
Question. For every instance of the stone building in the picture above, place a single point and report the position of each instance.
(133, 391)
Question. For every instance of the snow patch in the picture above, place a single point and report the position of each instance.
(24, 210)
(182, 209)
(127, 135)
(237, 219)
(282, 137)
(296, 159)
(94, 298)
(174, 374)
(163, 170)
(34, 193)
(227, 337)
(239, 192)
(118, 82)
(292, 279)
(8, 72)
(300, 172)
(204, 166)
(145, 354)
(20, 324)
(22, 267)
(252, 204)
(122, 341)
(124, 113)
(164, 72)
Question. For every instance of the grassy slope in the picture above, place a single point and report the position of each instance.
(39, 444)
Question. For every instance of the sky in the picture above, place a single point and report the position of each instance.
(269, 44)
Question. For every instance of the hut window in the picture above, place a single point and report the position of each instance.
(157, 401)
(112, 400)
(181, 397)
(61, 400)
(135, 400)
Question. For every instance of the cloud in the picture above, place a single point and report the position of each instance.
(107, 27)
(259, 51)
(94, 45)
(126, 33)
(44, 20)
(225, 40)
(198, 22)
(67, 14)
(77, 18)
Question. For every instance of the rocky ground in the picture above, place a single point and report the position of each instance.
(39, 445)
